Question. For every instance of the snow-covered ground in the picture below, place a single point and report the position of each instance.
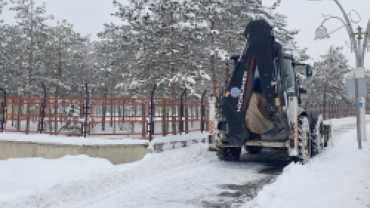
(193, 177)
(339, 177)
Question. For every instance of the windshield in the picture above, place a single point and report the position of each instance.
(289, 71)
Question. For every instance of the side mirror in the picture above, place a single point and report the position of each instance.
(308, 71)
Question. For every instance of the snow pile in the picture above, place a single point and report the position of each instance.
(60, 139)
(21, 177)
(130, 179)
(339, 177)
(197, 136)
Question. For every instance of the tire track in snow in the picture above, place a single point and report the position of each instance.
(235, 195)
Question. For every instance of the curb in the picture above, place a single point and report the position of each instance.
(159, 147)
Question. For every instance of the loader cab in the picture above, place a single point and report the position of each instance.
(291, 83)
(285, 78)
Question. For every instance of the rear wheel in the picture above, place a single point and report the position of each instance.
(229, 153)
(328, 135)
(253, 150)
(304, 139)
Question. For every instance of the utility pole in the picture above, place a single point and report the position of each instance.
(322, 33)
(360, 73)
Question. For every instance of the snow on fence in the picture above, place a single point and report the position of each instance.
(105, 116)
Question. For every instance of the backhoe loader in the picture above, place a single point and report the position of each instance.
(262, 105)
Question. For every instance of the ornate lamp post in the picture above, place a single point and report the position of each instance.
(322, 33)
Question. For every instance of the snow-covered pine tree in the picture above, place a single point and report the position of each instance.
(107, 70)
(11, 59)
(166, 33)
(2, 5)
(34, 34)
(328, 82)
(209, 13)
(60, 61)
(140, 31)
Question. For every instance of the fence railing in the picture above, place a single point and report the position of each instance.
(335, 111)
(105, 116)
(134, 117)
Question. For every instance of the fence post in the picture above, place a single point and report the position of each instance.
(152, 113)
(202, 112)
(43, 106)
(86, 111)
(181, 111)
(3, 109)
(165, 124)
(186, 115)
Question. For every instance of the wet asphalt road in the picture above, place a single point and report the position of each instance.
(273, 161)
(234, 195)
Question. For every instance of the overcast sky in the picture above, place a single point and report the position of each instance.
(90, 15)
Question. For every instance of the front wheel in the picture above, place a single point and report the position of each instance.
(253, 150)
(304, 139)
(317, 136)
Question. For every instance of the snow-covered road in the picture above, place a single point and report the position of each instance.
(185, 177)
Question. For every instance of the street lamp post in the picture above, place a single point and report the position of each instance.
(322, 33)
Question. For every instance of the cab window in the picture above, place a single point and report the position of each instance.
(289, 71)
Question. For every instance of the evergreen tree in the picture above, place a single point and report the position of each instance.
(34, 34)
(60, 66)
(2, 5)
(328, 82)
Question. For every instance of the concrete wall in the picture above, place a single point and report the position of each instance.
(118, 153)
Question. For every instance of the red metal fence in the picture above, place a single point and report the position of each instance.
(106, 116)
(22, 115)
(335, 111)
(118, 116)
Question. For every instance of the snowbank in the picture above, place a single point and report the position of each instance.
(339, 177)
(60, 139)
(80, 141)
(169, 140)
(90, 181)
(21, 177)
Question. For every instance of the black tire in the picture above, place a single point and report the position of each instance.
(317, 137)
(304, 140)
(229, 153)
(327, 135)
(253, 150)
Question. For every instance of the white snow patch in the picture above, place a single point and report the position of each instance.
(197, 136)
(20, 177)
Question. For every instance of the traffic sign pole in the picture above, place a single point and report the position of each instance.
(358, 115)
(360, 74)
(362, 105)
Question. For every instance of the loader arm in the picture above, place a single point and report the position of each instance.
(261, 53)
